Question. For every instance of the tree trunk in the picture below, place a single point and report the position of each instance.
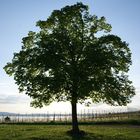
(75, 128)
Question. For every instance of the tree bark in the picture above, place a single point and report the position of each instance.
(75, 128)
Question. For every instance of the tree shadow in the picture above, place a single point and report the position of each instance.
(38, 138)
(85, 136)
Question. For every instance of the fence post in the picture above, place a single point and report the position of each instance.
(60, 117)
(54, 117)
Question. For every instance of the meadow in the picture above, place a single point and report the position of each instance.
(58, 132)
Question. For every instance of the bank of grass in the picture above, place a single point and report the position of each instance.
(58, 132)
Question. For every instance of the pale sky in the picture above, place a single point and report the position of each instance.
(17, 17)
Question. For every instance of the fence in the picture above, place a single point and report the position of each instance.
(89, 116)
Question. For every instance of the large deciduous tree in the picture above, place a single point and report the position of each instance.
(73, 58)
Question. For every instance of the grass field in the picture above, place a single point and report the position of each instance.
(58, 132)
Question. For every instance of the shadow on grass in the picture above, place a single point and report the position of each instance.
(97, 137)
(88, 137)
(38, 138)
(91, 136)
(85, 136)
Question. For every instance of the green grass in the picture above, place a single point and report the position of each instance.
(58, 132)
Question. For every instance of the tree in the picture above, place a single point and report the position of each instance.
(73, 58)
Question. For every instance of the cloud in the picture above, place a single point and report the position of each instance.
(13, 99)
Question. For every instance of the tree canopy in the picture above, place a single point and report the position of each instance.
(69, 55)
(73, 58)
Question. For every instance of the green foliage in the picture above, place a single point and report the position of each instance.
(68, 58)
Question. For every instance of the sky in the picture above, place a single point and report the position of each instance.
(18, 17)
